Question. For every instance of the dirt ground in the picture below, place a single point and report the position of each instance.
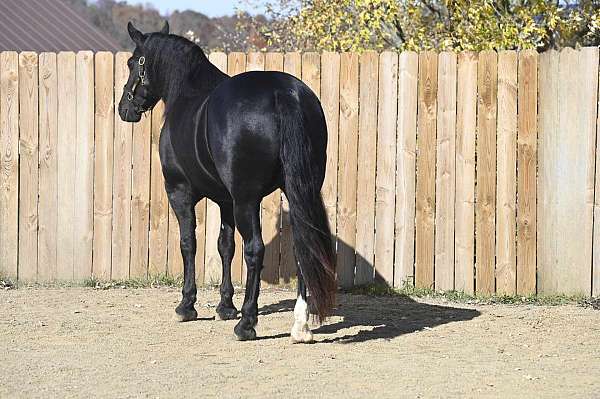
(124, 343)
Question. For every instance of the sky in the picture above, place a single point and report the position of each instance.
(212, 8)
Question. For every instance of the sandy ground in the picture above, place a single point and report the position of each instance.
(124, 343)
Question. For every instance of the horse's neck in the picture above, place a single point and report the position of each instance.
(199, 83)
(206, 79)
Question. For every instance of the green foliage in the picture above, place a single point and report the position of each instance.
(462, 297)
(356, 25)
(161, 280)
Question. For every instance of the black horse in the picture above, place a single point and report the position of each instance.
(235, 140)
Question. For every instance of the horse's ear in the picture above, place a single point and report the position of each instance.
(165, 28)
(136, 35)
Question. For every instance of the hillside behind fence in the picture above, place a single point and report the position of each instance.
(473, 172)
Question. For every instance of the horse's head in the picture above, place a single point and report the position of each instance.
(138, 94)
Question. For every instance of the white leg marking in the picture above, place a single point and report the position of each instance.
(300, 331)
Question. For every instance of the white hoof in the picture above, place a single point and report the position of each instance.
(301, 335)
(300, 331)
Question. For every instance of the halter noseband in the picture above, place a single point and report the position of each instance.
(141, 80)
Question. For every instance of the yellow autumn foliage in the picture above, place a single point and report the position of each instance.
(356, 25)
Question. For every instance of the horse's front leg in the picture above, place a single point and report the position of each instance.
(247, 219)
(183, 204)
(226, 245)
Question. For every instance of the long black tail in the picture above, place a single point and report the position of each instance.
(304, 169)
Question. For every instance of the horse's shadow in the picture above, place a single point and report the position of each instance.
(377, 317)
(369, 317)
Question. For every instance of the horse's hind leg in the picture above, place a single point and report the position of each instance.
(247, 219)
(226, 245)
(182, 203)
(300, 331)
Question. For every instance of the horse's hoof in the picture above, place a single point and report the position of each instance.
(304, 336)
(224, 313)
(182, 315)
(244, 334)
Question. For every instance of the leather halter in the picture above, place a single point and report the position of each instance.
(141, 80)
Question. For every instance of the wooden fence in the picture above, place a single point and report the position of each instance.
(470, 171)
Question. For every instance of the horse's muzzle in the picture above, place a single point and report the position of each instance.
(128, 113)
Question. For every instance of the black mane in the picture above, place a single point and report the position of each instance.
(180, 68)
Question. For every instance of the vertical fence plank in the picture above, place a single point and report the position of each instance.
(48, 178)
(140, 196)
(580, 281)
(527, 172)
(212, 261)
(596, 243)
(271, 205)
(367, 147)
(347, 171)
(311, 71)
(174, 257)
(236, 64)
(466, 126)
(292, 64)
(84, 173)
(406, 148)
(255, 61)
(159, 204)
(506, 251)
(485, 207)
(567, 115)
(311, 75)
(121, 230)
(200, 210)
(549, 146)
(9, 162)
(445, 173)
(385, 180)
(103, 165)
(330, 99)
(425, 189)
(67, 133)
(28, 166)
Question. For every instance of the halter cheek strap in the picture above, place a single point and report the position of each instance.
(141, 80)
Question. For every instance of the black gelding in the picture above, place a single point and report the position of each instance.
(235, 140)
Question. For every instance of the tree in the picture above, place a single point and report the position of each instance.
(230, 33)
(355, 25)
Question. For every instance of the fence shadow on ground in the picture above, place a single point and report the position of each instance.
(376, 317)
